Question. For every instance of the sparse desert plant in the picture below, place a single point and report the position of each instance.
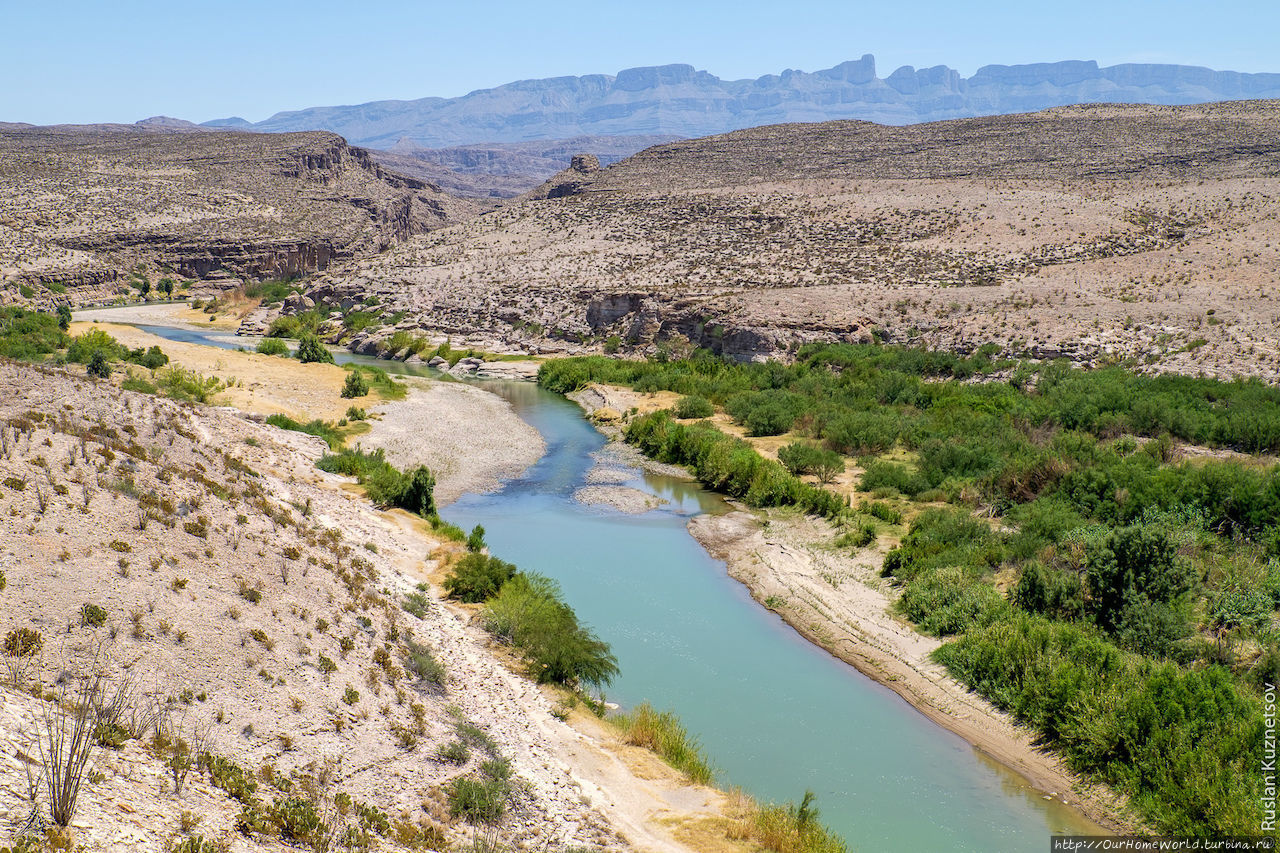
(21, 650)
(661, 732)
(67, 743)
(92, 615)
(421, 662)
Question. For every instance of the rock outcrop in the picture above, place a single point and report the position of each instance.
(84, 210)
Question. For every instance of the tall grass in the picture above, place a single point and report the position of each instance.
(663, 733)
(789, 828)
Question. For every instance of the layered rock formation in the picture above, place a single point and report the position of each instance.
(84, 209)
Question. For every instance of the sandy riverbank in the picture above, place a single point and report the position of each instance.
(839, 602)
(470, 439)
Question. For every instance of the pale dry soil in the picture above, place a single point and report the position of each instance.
(836, 599)
(230, 568)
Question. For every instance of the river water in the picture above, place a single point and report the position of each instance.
(775, 714)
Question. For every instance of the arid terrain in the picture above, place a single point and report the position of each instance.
(251, 605)
(1097, 233)
(89, 210)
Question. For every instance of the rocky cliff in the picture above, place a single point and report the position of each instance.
(85, 210)
(682, 101)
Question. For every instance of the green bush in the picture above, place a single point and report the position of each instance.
(98, 365)
(477, 577)
(93, 615)
(800, 457)
(694, 407)
(412, 490)
(82, 348)
(1050, 591)
(355, 386)
(29, 334)
(273, 346)
(878, 474)
(475, 540)
(1134, 563)
(946, 601)
(310, 350)
(318, 428)
(862, 433)
(529, 613)
(422, 663)
(1184, 745)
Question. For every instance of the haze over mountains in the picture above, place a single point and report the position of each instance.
(678, 100)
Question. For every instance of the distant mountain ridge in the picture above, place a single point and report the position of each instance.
(678, 100)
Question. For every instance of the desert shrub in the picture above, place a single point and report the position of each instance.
(859, 536)
(294, 325)
(862, 433)
(421, 662)
(482, 799)
(319, 428)
(416, 604)
(181, 384)
(882, 511)
(92, 615)
(82, 347)
(475, 540)
(98, 365)
(1134, 563)
(800, 457)
(946, 601)
(943, 537)
(1182, 744)
(29, 334)
(694, 407)
(530, 613)
(477, 577)
(769, 412)
(273, 346)
(310, 349)
(1049, 591)
(663, 733)
(879, 474)
(355, 386)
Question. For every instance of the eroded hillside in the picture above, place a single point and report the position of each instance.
(1094, 232)
(236, 598)
(82, 208)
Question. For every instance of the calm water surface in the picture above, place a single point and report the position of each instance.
(776, 714)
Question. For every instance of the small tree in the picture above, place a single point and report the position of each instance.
(1134, 563)
(64, 317)
(98, 365)
(311, 350)
(356, 385)
(475, 541)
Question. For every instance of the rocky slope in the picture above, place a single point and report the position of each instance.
(82, 208)
(682, 101)
(1092, 232)
(251, 606)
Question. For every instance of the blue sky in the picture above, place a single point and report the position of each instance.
(90, 61)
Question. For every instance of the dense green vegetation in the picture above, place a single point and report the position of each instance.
(29, 334)
(1112, 590)
(321, 429)
(412, 490)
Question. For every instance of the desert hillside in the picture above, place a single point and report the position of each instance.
(89, 212)
(1098, 233)
(235, 599)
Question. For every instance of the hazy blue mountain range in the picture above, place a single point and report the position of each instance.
(677, 100)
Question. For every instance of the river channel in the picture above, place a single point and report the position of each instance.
(776, 714)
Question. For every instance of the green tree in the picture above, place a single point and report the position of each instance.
(64, 317)
(311, 350)
(1133, 563)
(98, 365)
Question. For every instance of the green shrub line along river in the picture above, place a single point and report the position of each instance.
(775, 714)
